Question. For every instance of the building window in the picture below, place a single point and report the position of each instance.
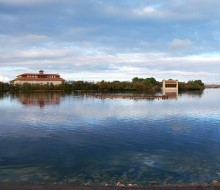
(170, 85)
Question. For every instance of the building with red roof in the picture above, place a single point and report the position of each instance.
(38, 78)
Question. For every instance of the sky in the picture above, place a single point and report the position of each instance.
(111, 40)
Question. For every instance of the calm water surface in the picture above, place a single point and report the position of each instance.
(52, 137)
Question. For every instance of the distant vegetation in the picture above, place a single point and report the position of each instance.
(5, 86)
(191, 85)
(137, 84)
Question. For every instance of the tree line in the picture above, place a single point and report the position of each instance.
(191, 85)
(137, 84)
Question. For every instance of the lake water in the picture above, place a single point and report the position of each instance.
(53, 137)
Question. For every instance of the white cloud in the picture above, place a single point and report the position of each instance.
(177, 44)
(101, 66)
(146, 11)
(11, 41)
(3, 79)
(45, 53)
(109, 40)
(164, 13)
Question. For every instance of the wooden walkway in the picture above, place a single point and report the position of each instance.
(131, 97)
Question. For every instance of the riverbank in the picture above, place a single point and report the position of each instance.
(25, 186)
(212, 86)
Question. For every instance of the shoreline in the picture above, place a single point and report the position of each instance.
(212, 86)
(27, 186)
(134, 97)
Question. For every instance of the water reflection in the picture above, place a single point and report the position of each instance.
(197, 93)
(4, 95)
(1, 95)
(93, 141)
(40, 99)
(170, 93)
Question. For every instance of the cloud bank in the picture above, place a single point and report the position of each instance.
(111, 40)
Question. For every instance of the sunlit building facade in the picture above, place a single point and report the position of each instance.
(170, 88)
(38, 78)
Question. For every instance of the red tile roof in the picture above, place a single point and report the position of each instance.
(37, 79)
(171, 81)
(37, 74)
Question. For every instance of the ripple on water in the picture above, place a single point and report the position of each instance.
(105, 141)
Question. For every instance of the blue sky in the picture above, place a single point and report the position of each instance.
(111, 39)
